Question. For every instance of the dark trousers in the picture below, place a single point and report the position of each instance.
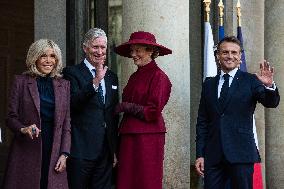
(47, 139)
(90, 174)
(239, 174)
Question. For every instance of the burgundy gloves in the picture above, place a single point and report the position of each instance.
(130, 108)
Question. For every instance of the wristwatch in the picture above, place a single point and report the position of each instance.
(65, 155)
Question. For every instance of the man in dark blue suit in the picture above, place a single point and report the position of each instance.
(94, 95)
(225, 145)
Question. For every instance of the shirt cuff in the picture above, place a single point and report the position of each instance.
(273, 88)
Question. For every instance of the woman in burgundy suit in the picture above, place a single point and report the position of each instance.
(38, 115)
(142, 130)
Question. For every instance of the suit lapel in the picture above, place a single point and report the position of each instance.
(216, 83)
(86, 74)
(32, 85)
(108, 89)
(58, 94)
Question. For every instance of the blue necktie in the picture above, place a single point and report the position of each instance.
(224, 90)
(100, 91)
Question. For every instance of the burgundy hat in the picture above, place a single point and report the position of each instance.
(143, 38)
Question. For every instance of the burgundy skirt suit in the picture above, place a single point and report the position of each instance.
(142, 130)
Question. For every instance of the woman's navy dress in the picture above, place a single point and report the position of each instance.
(47, 107)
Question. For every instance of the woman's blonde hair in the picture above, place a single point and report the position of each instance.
(39, 48)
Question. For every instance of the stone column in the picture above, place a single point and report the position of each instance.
(274, 45)
(50, 22)
(253, 34)
(168, 20)
(196, 36)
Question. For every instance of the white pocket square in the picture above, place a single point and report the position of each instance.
(114, 87)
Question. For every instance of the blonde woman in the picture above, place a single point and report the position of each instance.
(39, 117)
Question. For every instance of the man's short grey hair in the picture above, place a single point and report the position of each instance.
(92, 34)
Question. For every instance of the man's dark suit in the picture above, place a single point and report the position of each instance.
(93, 124)
(227, 134)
